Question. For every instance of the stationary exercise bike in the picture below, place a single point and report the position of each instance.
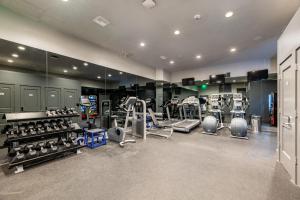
(213, 122)
(238, 125)
(116, 133)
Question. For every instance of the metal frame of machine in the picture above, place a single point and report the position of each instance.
(187, 124)
(215, 108)
(239, 108)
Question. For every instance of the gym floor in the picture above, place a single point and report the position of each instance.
(185, 167)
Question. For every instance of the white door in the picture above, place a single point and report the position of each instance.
(288, 115)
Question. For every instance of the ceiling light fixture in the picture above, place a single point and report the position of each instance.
(15, 55)
(21, 48)
(10, 61)
(98, 77)
(85, 64)
(233, 50)
(120, 73)
(234, 81)
(163, 57)
(198, 56)
(171, 62)
(65, 0)
(197, 16)
(229, 14)
(65, 71)
(109, 75)
(142, 44)
(149, 4)
(74, 67)
(177, 32)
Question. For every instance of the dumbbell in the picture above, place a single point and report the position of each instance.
(30, 151)
(47, 126)
(22, 130)
(54, 125)
(39, 127)
(51, 145)
(61, 124)
(72, 141)
(18, 155)
(64, 142)
(31, 129)
(41, 147)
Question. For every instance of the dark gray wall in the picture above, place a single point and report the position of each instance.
(258, 96)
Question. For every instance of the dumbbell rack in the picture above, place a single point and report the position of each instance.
(11, 142)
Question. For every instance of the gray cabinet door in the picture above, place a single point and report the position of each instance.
(30, 98)
(70, 98)
(7, 98)
(53, 98)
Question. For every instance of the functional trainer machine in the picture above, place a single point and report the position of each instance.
(190, 107)
(213, 122)
(238, 125)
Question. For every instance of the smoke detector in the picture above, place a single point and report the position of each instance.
(149, 3)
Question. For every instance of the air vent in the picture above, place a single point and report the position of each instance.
(101, 21)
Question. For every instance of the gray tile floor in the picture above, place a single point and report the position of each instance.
(185, 167)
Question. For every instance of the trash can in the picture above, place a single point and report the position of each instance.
(255, 124)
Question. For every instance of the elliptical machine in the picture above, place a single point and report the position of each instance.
(213, 122)
(238, 125)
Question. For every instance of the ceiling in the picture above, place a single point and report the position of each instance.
(253, 22)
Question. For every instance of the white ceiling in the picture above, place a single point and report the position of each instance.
(212, 35)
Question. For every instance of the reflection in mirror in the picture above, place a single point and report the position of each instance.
(23, 72)
(76, 84)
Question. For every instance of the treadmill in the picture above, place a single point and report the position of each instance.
(190, 108)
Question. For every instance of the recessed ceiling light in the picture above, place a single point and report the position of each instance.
(198, 56)
(177, 32)
(74, 67)
(65, 0)
(163, 57)
(98, 77)
(85, 64)
(120, 73)
(65, 71)
(21, 48)
(15, 55)
(213, 76)
(229, 14)
(142, 44)
(171, 62)
(233, 50)
(234, 81)
(10, 61)
(109, 75)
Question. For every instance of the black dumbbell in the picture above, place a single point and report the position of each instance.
(22, 130)
(64, 142)
(41, 147)
(51, 145)
(30, 151)
(18, 155)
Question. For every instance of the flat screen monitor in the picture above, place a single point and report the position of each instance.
(257, 75)
(217, 79)
(188, 81)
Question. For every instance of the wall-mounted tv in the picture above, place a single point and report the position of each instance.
(188, 81)
(257, 75)
(217, 79)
